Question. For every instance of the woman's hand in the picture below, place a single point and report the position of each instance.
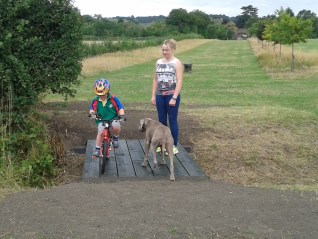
(153, 101)
(172, 102)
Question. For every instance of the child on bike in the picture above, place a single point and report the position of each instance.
(107, 107)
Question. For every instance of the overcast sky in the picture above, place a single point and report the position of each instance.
(230, 8)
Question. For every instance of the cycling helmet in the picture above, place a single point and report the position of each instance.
(101, 86)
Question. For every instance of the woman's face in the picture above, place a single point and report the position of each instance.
(166, 51)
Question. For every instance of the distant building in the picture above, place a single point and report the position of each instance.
(241, 34)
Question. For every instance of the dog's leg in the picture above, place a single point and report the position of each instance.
(144, 164)
(163, 154)
(154, 155)
(170, 153)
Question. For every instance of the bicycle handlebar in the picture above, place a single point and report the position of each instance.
(97, 117)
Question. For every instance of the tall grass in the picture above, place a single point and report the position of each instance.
(117, 60)
(276, 59)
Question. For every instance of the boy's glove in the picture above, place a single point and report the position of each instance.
(92, 115)
(122, 118)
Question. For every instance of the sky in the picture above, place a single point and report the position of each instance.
(231, 8)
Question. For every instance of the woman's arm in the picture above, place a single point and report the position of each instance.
(154, 87)
(179, 75)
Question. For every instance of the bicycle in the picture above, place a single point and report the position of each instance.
(107, 142)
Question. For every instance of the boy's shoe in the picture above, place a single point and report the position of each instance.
(96, 153)
(175, 149)
(115, 142)
(158, 150)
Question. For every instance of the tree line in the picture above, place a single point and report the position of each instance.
(180, 21)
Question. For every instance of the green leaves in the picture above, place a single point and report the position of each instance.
(287, 29)
(40, 52)
(41, 49)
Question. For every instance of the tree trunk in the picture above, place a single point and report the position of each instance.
(293, 60)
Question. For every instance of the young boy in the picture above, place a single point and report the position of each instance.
(107, 107)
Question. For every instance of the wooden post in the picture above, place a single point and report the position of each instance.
(188, 67)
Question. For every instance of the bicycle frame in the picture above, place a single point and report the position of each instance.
(107, 139)
(106, 144)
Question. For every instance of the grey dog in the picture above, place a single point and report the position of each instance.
(157, 135)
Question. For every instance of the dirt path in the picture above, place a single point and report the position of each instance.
(151, 209)
(158, 209)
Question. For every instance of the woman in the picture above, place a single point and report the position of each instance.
(167, 84)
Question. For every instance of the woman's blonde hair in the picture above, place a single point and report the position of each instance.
(170, 42)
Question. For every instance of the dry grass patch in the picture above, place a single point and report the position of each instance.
(114, 61)
(277, 61)
(242, 146)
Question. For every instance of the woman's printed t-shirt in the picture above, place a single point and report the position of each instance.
(166, 76)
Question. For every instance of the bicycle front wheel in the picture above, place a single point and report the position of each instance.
(103, 159)
(106, 152)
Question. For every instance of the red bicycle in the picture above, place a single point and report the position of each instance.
(106, 144)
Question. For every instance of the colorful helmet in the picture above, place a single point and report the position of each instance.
(101, 87)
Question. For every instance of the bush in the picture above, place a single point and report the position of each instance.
(32, 152)
(40, 51)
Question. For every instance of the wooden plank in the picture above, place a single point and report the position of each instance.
(124, 163)
(179, 170)
(188, 163)
(111, 166)
(162, 170)
(91, 166)
(137, 158)
(127, 161)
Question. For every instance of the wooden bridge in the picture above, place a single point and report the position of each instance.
(126, 162)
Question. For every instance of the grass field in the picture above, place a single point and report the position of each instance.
(256, 128)
(311, 45)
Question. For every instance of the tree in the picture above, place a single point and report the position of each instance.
(179, 18)
(200, 21)
(216, 30)
(250, 11)
(289, 11)
(295, 31)
(307, 14)
(158, 29)
(40, 51)
(232, 29)
(248, 16)
(288, 30)
(257, 29)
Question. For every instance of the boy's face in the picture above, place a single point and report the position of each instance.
(103, 97)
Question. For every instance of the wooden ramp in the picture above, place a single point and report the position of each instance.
(126, 162)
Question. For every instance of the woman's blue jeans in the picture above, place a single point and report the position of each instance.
(166, 112)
